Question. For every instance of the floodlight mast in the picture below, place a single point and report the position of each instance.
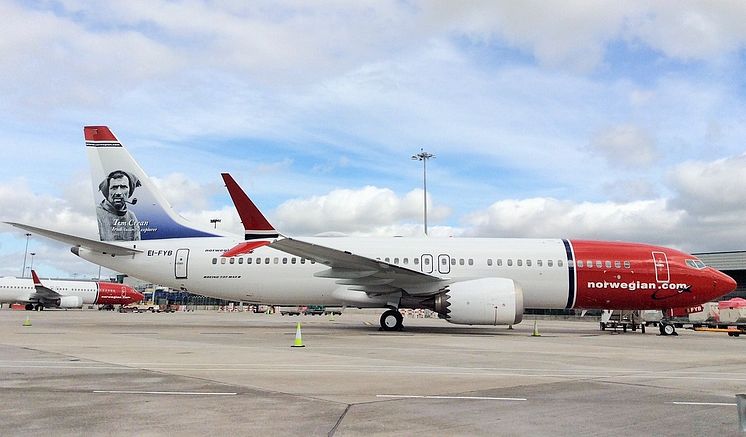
(424, 156)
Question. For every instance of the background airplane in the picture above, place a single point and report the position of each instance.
(476, 281)
(63, 293)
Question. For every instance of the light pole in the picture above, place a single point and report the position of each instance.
(215, 222)
(32, 260)
(25, 252)
(424, 156)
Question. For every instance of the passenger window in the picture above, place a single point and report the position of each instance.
(471, 261)
(626, 264)
(387, 259)
(519, 262)
(426, 261)
(214, 260)
(589, 263)
(302, 260)
(559, 263)
(570, 263)
(489, 261)
(444, 261)
(580, 263)
(248, 260)
(233, 260)
(499, 261)
(276, 260)
(416, 261)
(453, 261)
(240, 260)
(510, 262)
(405, 261)
(222, 260)
(293, 260)
(598, 264)
(258, 260)
(284, 260)
(608, 264)
(617, 264)
(528, 263)
(461, 261)
(396, 260)
(266, 260)
(539, 263)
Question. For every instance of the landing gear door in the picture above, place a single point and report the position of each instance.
(661, 267)
(181, 263)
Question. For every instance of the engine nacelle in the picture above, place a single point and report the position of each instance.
(487, 301)
(70, 302)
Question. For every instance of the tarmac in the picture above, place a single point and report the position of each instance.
(87, 372)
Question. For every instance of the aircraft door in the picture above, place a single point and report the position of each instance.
(444, 264)
(426, 263)
(181, 263)
(661, 267)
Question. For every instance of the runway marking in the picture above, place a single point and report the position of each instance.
(722, 404)
(182, 393)
(478, 398)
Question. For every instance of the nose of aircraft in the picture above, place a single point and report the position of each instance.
(134, 295)
(724, 284)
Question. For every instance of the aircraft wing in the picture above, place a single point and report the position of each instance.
(96, 246)
(43, 292)
(362, 273)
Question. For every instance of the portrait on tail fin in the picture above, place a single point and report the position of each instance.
(115, 221)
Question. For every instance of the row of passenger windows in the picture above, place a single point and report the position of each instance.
(267, 260)
(443, 261)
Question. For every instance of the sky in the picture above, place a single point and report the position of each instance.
(574, 119)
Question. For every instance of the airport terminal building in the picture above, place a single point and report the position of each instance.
(732, 264)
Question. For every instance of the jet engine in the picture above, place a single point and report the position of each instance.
(487, 301)
(70, 302)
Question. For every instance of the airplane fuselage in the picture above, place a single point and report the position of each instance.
(17, 290)
(553, 273)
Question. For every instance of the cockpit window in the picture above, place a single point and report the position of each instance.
(695, 264)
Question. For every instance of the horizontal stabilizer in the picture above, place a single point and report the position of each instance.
(87, 243)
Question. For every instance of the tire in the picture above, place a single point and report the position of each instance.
(391, 320)
(668, 329)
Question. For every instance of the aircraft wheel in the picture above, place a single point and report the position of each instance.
(668, 329)
(29, 307)
(391, 320)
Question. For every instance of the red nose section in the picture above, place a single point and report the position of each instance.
(724, 284)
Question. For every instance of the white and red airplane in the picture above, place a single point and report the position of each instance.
(475, 281)
(63, 293)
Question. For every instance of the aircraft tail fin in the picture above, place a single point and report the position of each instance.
(256, 226)
(129, 206)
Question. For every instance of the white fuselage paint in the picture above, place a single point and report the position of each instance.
(282, 282)
(15, 290)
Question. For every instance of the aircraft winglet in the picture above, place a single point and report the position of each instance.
(254, 223)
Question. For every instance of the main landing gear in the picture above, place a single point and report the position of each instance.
(391, 320)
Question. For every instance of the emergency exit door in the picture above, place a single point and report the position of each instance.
(181, 263)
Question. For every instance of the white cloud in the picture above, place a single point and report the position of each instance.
(711, 188)
(649, 221)
(369, 210)
(625, 145)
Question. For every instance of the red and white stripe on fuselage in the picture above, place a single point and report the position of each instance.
(635, 276)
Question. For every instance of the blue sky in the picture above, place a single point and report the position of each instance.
(579, 119)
